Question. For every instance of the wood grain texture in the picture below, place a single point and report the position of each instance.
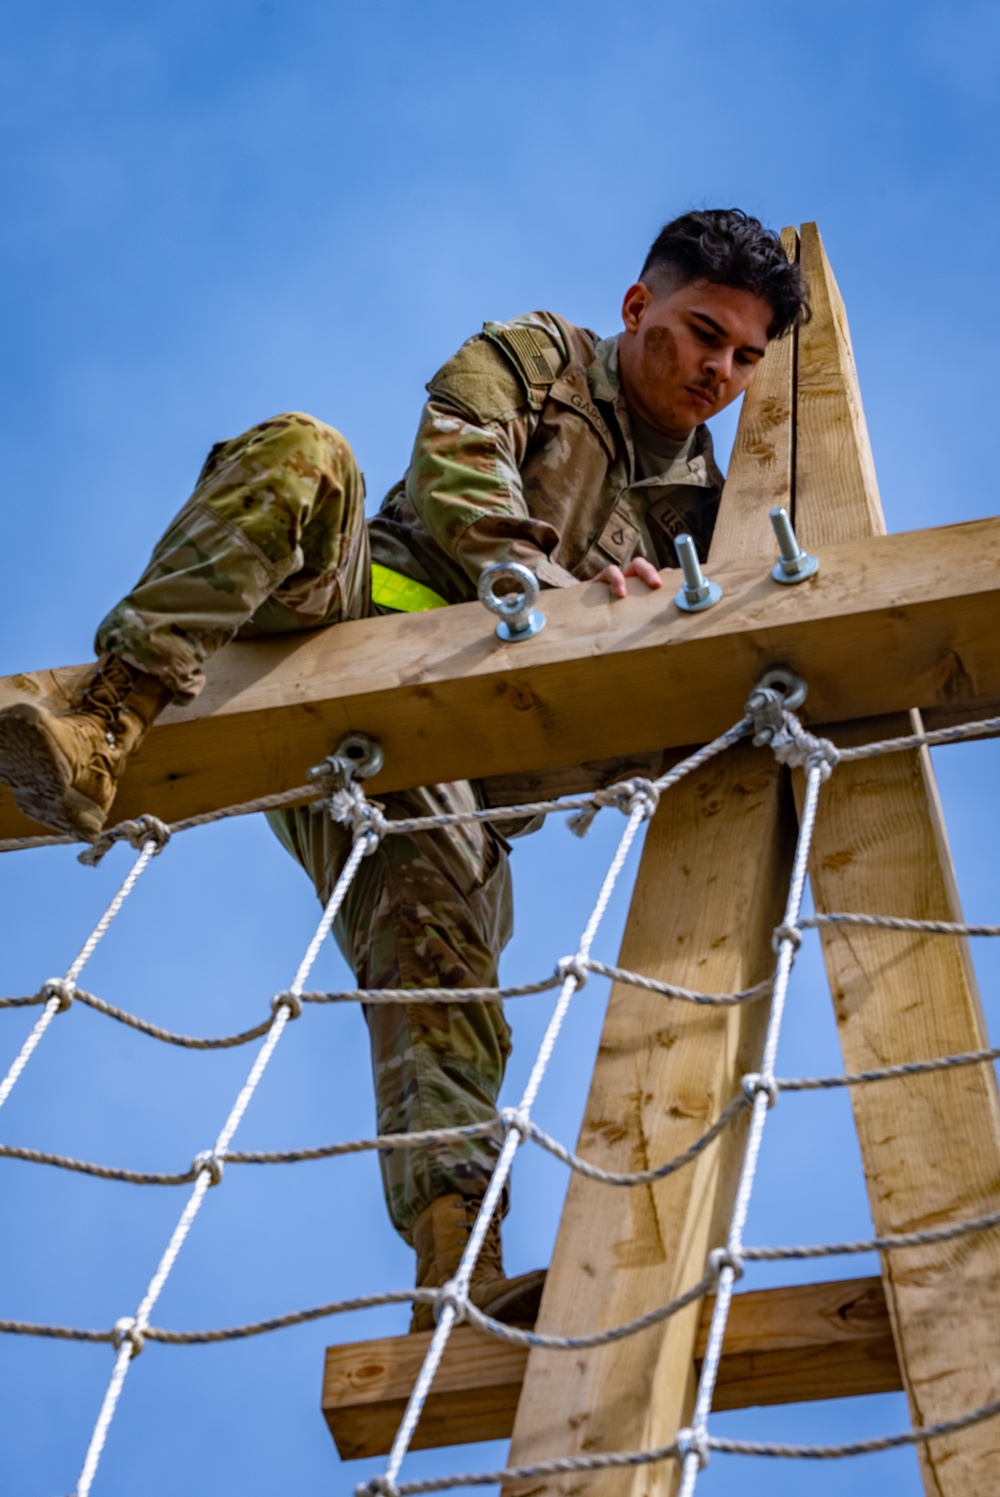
(931, 1145)
(761, 464)
(701, 915)
(366, 1386)
(804, 1342)
(788, 1345)
(901, 620)
(836, 490)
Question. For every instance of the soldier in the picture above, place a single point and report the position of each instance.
(540, 443)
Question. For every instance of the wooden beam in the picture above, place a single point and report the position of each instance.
(789, 1345)
(701, 915)
(366, 1386)
(931, 1145)
(761, 463)
(804, 1342)
(888, 623)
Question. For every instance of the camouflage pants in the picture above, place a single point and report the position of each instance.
(274, 539)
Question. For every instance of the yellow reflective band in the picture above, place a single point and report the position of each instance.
(392, 590)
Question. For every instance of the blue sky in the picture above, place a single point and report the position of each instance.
(216, 211)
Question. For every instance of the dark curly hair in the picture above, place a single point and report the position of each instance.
(731, 248)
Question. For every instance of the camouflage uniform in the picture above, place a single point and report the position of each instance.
(524, 452)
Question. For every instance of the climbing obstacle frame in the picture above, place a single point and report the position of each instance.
(685, 1075)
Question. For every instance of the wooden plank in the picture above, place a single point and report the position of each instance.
(366, 1386)
(701, 912)
(788, 1345)
(888, 623)
(804, 1342)
(836, 490)
(701, 916)
(931, 1145)
(761, 462)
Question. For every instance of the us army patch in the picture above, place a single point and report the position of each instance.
(530, 350)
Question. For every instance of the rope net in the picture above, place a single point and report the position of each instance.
(637, 799)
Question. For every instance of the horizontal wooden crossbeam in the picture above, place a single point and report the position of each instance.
(896, 621)
(789, 1345)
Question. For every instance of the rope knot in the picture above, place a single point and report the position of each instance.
(136, 833)
(638, 794)
(148, 829)
(448, 1294)
(288, 1000)
(754, 1083)
(572, 966)
(124, 1330)
(724, 1257)
(379, 1486)
(206, 1162)
(581, 821)
(691, 1443)
(793, 745)
(786, 932)
(512, 1117)
(351, 807)
(825, 757)
(61, 988)
(627, 796)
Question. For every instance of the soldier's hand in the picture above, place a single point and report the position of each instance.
(639, 567)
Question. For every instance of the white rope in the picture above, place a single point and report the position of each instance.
(632, 1178)
(385, 1142)
(460, 1283)
(684, 1446)
(901, 922)
(63, 988)
(510, 1117)
(686, 995)
(643, 804)
(303, 794)
(787, 947)
(385, 996)
(719, 1260)
(130, 1340)
(793, 745)
(988, 727)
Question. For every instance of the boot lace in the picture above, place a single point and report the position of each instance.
(105, 693)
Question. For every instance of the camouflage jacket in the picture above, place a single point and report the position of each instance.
(524, 453)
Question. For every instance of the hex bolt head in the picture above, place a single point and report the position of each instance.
(795, 565)
(697, 593)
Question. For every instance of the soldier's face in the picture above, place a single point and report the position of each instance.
(686, 354)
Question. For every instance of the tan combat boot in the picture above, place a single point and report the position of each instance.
(64, 766)
(440, 1234)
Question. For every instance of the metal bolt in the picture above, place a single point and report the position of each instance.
(697, 592)
(778, 691)
(795, 564)
(511, 591)
(356, 757)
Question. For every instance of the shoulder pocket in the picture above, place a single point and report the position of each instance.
(532, 352)
(481, 382)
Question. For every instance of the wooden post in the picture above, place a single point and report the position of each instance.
(931, 1144)
(760, 471)
(702, 914)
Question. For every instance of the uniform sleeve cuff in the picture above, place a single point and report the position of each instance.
(550, 574)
